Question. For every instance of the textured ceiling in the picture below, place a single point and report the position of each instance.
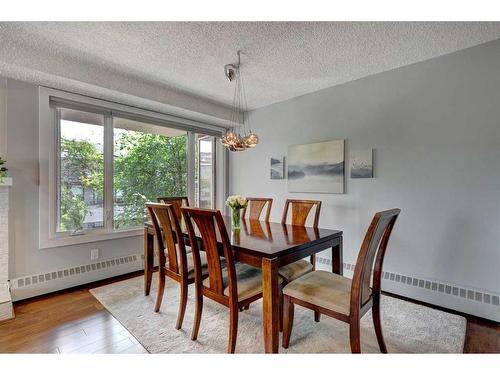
(280, 60)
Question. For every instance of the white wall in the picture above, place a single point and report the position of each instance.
(435, 128)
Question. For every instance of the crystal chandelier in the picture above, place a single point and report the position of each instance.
(239, 136)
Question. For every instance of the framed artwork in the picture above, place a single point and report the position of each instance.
(362, 164)
(316, 167)
(277, 167)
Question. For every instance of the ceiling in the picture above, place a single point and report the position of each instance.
(280, 60)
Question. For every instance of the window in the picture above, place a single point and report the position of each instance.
(81, 171)
(205, 171)
(106, 160)
(148, 162)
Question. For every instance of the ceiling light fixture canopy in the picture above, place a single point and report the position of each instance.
(240, 136)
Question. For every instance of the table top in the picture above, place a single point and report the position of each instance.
(268, 239)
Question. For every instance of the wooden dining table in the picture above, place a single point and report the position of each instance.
(268, 246)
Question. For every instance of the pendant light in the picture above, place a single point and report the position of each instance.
(239, 137)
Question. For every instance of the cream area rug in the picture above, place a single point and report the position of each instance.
(408, 328)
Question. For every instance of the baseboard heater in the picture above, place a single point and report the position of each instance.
(485, 304)
(34, 285)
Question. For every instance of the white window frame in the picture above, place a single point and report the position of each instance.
(49, 159)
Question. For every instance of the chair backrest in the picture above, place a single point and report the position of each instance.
(255, 207)
(209, 222)
(165, 224)
(300, 211)
(177, 202)
(371, 257)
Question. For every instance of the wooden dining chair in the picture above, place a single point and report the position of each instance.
(173, 259)
(300, 213)
(236, 285)
(342, 298)
(255, 207)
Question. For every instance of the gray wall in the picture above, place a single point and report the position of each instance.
(435, 128)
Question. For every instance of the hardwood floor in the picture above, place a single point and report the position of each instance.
(73, 321)
(65, 322)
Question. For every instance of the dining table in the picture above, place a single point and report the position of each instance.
(268, 246)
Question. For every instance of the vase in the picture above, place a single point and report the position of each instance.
(236, 218)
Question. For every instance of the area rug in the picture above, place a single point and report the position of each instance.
(408, 328)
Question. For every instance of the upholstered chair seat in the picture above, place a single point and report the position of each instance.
(248, 278)
(324, 289)
(295, 270)
(190, 266)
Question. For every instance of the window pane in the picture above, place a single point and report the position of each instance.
(81, 163)
(204, 180)
(149, 161)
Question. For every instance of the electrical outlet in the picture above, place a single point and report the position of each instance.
(94, 254)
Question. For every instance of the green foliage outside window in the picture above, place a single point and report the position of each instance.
(145, 166)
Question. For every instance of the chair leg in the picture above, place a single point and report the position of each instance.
(233, 328)
(197, 314)
(354, 336)
(161, 289)
(377, 323)
(247, 307)
(313, 261)
(280, 310)
(288, 310)
(317, 316)
(182, 304)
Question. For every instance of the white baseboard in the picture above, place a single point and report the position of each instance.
(35, 285)
(481, 303)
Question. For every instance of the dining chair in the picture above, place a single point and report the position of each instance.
(300, 212)
(342, 298)
(236, 285)
(255, 207)
(179, 266)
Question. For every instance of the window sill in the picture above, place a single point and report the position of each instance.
(69, 240)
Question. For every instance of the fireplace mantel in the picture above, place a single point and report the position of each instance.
(6, 311)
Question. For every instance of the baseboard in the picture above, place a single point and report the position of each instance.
(35, 285)
(480, 303)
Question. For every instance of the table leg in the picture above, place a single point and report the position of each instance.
(338, 258)
(148, 260)
(271, 300)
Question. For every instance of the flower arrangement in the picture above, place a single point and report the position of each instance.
(236, 203)
(3, 170)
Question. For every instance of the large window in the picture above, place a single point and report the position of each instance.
(100, 162)
(148, 162)
(109, 166)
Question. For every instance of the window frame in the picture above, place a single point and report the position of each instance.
(49, 159)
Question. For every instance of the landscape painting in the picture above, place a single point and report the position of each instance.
(277, 167)
(362, 164)
(316, 167)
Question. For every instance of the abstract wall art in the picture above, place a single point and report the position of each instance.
(362, 164)
(316, 167)
(277, 167)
